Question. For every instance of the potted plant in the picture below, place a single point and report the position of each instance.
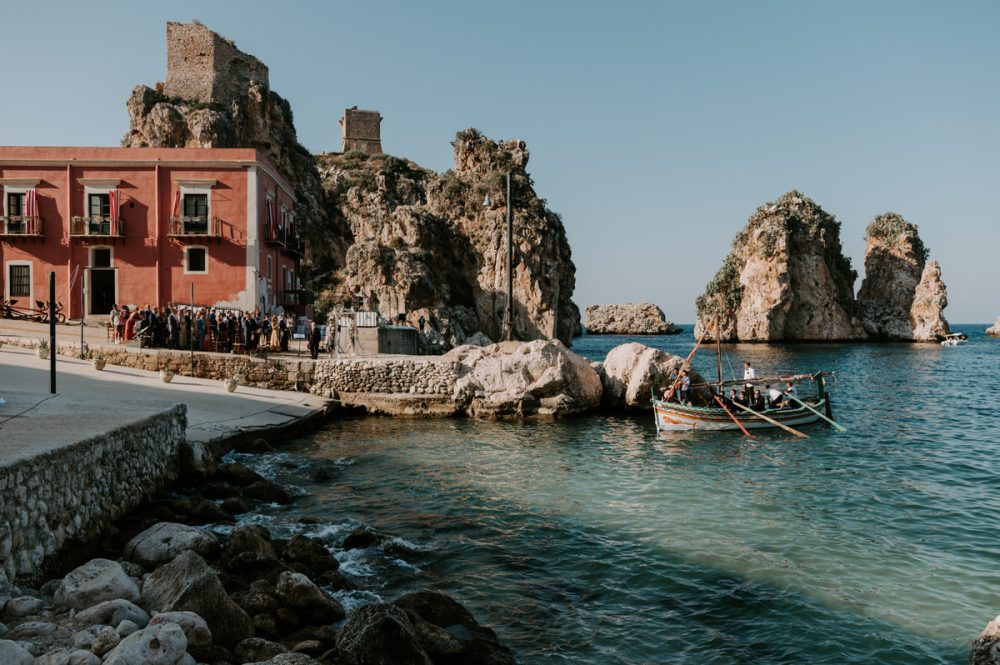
(42, 349)
(99, 362)
(230, 384)
(166, 375)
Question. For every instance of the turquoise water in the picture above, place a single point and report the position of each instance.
(595, 540)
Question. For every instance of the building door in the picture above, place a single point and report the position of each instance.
(102, 290)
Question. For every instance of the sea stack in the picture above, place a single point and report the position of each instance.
(786, 279)
(902, 296)
(629, 319)
(994, 330)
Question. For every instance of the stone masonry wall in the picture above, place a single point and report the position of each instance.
(205, 67)
(385, 376)
(75, 492)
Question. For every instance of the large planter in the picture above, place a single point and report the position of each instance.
(43, 352)
(229, 385)
(240, 379)
(166, 375)
(99, 363)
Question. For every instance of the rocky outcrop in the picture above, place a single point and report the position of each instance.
(517, 379)
(786, 278)
(631, 371)
(986, 647)
(216, 96)
(630, 319)
(994, 330)
(895, 270)
(424, 244)
(929, 301)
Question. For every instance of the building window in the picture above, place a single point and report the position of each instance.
(196, 205)
(100, 257)
(15, 204)
(195, 260)
(19, 282)
(99, 205)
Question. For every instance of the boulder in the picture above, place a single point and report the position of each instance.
(994, 330)
(786, 278)
(986, 647)
(632, 370)
(11, 653)
(929, 301)
(22, 606)
(93, 582)
(376, 634)
(629, 319)
(362, 538)
(126, 627)
(106, 639)
(269, 491)
(310, 553)
(289, 659)
(162, 644)
(196, 631)
(188, 584)
(67, 657)
(163, 541)
(257, 649)
(517, 379)
(248, 538)
(449, 632)
(894, 261)
(112, 612)
(300, 593)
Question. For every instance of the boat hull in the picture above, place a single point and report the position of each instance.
(671, 416)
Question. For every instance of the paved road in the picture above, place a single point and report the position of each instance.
(89, 402)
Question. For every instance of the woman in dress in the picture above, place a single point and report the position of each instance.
(275, 334)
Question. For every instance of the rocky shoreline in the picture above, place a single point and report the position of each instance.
(179, 581)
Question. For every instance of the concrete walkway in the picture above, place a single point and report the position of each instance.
(89, 402)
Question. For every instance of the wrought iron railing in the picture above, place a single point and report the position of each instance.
(296, 297)
(195, 226)
(99, 226)
(21, 225)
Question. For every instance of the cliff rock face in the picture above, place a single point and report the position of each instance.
(986, 647)
(216, 96)
(929, 300)
(895, 270)
(994, 330)
(785, 279)
(423, 244)
(631, 319)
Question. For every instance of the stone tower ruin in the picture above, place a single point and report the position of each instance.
(361, 130)
(204, 66)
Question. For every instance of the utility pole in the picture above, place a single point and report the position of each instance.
(52, 333)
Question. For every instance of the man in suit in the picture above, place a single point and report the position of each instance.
(314, 338)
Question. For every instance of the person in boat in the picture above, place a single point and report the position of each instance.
(731, 398)
(774, 396)
(758, 400)
(748, 371)
(685, 387)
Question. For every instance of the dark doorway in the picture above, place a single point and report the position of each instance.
(102, 290)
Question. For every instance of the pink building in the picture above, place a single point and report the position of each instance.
(140, 226)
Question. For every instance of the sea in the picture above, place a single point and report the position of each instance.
(597, 540)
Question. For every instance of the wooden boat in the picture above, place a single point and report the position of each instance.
(954, 339)
(716, 415)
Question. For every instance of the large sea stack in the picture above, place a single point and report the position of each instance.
(786, 278)
(902, 296)
(404, 239)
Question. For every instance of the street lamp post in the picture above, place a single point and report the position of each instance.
(508, 323)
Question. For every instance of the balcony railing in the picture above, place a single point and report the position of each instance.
(21, 225)
(97, 226)
(193, 227)
(290, 242)
(296, 297)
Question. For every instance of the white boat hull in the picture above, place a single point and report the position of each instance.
(672, 417)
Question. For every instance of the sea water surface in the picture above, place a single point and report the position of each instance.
(597, 540)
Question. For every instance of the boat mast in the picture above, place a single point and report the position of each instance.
(718, 352)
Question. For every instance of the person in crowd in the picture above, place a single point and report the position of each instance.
(200, 329)
(748, 371)
(123, 317)
(685, 387)
(173, 329)
(275, 341)
(758, 401)
(113, 322)
(774, 397)
(314, 339)
(283, 334)
(791, 402)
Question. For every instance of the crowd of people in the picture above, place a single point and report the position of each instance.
(751, 397)
(176, 327)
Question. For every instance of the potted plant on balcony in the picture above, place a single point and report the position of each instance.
(42, 349)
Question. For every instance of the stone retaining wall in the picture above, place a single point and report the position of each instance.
(75, 492)
(430, 376)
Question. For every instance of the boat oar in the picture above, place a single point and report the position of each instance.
(839, 428)
(773, 421)
(735, 419)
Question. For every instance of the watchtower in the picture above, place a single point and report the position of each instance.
(361, 130)
(204, 66)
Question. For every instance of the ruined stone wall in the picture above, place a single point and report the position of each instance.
(206, 67)
(361, 130)
(77, 491)
(384, 376)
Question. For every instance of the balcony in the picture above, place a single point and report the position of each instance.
(193, 227)
(296, 298)
(21, 226)
(290, 243)
(96, 226)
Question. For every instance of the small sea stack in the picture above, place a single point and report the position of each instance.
(628, 319)
(994, 330)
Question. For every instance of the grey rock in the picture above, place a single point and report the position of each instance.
(113, 612)
(291, 659)
(30, 629)
(23, 606)
(93, 582)
(986, 647)
(11, 653)
(126, 628)
(196, 630)
(107, 638)
(84, 639)
(162, 644)
(163, 541)
(300, 593)
(68, 657)
(188, 584)
(381, 634)
(257, 649)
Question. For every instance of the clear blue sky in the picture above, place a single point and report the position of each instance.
(656, 128)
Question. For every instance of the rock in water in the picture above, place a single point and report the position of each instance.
(929, 301)
(631, 319)
(895, 261)
(785, 279)
(516, 379)
(378, 633)
(632, 370)
(994, 330)
(986, 647)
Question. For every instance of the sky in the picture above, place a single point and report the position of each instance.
(655, 128)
